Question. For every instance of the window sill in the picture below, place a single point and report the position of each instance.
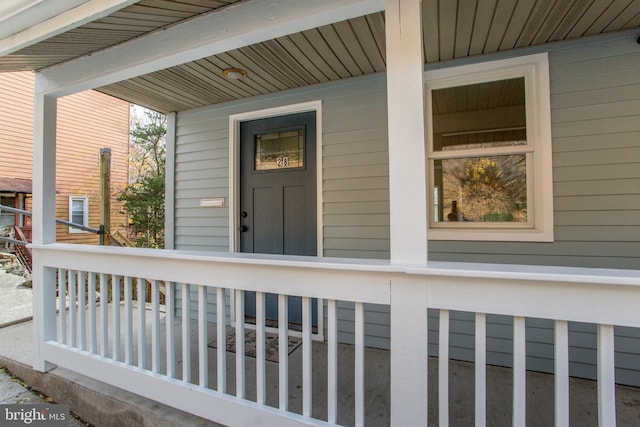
(491, 235)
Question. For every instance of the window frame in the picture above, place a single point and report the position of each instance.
(85, 213)
(538, 150)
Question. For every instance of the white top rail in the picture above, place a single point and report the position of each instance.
(577, 294)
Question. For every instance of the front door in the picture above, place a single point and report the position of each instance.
(278, 195)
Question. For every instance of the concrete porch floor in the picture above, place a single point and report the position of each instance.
(104, 405)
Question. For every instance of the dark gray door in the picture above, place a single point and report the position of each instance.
(278, 194)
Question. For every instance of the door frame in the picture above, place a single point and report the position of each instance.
(234, 185)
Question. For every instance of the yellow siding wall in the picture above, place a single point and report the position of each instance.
(87, 121)
(16, 124)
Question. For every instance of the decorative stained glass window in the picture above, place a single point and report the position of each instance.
(280, 150)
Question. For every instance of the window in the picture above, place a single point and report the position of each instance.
(489, 151)
(78, 212)
(7, 218)
(280, 150)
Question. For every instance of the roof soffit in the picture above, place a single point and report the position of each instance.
(331, 51)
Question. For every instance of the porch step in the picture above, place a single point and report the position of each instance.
(101, 404)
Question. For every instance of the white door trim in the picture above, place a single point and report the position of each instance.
(234, 158)
(234, 182)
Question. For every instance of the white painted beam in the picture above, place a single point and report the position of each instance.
(49, 22)
(236, 26)
(405, 98)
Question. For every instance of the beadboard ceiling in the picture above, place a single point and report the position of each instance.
(452, 29)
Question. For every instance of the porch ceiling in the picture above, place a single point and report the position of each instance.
(452, 29)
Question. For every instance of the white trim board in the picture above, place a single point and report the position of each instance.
(234, 181)
(55, 18)
(239, 25)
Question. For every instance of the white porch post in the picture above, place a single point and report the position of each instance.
(44, 225)
(405, 99)
(408, 210)
(170, 188)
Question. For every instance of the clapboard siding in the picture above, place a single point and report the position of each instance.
(595, 100)
(86, 122)
(355, 186)
(16, 124)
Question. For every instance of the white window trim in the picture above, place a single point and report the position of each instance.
(535, 69)
(85, 216)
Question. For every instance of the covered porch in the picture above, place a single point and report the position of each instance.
(335, 379)
(389, 333)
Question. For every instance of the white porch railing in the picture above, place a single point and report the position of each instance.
(106, 338)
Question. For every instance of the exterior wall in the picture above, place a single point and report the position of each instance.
(16, 124)
(355, 185)
(87, 121)
(595, 112)
(355, 169)
(596, 164)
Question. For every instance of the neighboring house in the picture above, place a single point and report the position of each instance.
(448, 179)
(88, 121)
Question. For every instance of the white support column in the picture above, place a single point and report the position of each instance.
(44, 169)
(169, 185)
(44, 225)
(409, 353)
(405, 99)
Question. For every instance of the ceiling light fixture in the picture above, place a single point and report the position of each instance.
(234, 73)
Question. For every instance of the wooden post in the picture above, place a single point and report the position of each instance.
(105, 196)
(44, 225)
(405, 99)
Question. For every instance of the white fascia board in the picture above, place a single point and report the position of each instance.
(50, 26)
(233, 27)
(18, 15)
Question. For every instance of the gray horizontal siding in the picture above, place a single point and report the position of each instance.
(595, 97)
(595, 102)
(355, 178)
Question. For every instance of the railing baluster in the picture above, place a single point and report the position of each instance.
(240, 389)
(283, 352)
(519, 372)
(115, 302)
(481, 370)
(169, 301)
(221, 338)
(561, 376)
(155, 326)
(307, 374)
(62, 304)
(261, 388)
(104, 315)
(443, 369)
(73, 331)
(186, 333)
(128, 320)
(332, 362)
(93, 328)
(203, 368)
(359, 363)
(82, 309)
(142, 324)
(606, 377)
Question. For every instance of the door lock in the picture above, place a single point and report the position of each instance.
(244, 228)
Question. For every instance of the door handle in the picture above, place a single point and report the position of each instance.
(244, 228)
